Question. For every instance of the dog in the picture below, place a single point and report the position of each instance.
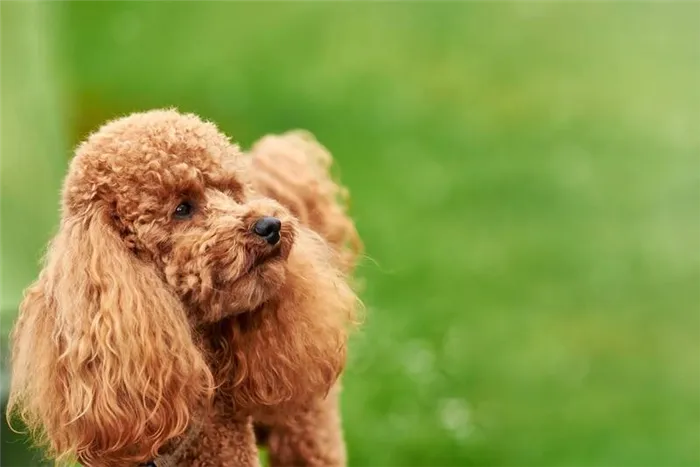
(192, 297)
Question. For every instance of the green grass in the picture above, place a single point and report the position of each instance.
(525, 176)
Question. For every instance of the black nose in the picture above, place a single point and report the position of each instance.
(269, 229)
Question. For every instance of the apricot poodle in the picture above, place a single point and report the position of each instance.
(196, 301)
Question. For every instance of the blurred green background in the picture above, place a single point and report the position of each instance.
(526, 177)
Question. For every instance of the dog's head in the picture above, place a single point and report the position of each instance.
(174, 190)
(162, 238)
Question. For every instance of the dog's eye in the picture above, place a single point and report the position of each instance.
(184, 210)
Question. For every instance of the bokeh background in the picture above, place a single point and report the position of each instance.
(526, 177)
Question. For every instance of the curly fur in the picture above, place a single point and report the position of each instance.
(293, 168)
(141, 324)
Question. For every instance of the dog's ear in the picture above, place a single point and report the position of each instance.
(104, 365)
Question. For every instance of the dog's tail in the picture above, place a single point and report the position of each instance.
(295, 169)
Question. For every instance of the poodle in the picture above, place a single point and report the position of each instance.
(195, 302)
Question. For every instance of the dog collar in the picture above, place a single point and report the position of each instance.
(173, 459)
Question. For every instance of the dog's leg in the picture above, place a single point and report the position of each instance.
(309, 437)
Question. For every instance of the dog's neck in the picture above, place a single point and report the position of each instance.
(263, 359)
(293, 347)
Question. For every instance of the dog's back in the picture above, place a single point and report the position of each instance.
(294, 169)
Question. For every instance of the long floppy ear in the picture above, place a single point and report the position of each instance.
(104, 366)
